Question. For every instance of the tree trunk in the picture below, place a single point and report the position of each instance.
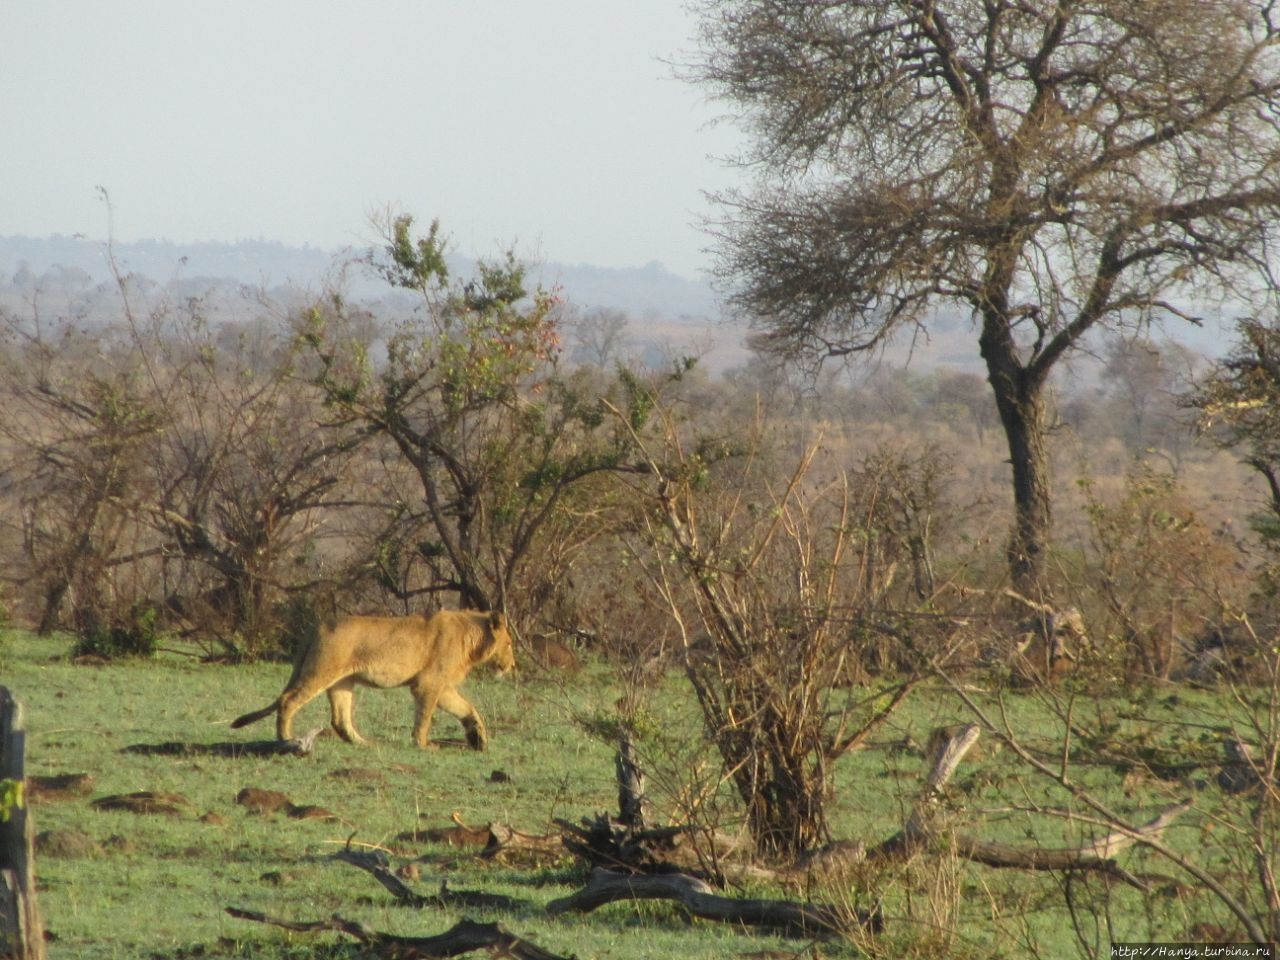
(780, 772)
(776, 758)
(1019, 396)
(785, 798)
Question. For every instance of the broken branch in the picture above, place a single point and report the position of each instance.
(463, 937)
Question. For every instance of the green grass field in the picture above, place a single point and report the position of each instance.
(158, 886)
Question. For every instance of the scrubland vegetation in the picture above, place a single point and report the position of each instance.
(939, 663)
(119, 884)
(777, 588)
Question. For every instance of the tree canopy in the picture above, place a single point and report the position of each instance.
(1053, 167)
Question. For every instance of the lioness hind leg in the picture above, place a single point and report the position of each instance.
(342, 710)
(292, 700)
(462, 708)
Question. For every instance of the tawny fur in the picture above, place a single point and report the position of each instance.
(429, 655)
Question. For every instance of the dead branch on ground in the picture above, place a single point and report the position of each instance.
(375, 863)
(463, 937)
(496, 840)
(922, 831)
(504, 840)
(785, 916)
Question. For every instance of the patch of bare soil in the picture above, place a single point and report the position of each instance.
(145, 802)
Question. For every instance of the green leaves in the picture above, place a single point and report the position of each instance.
(11, 798)
(415, 264)
(471, 395)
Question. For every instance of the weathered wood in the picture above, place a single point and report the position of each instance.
(921, 830)
(606, 842)
(21, 928)
(1097, 855)
(631, 798)
(785, 916)
(463, 937)
(1240, 773)
(504, 840)
(375, 863)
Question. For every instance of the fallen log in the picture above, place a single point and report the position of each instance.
(375, 863)
(784, 916)
(922, 831)
(463, 937)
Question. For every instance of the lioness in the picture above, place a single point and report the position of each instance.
(430, 655)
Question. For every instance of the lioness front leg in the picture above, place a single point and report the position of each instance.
(426, 698)
(462, 708)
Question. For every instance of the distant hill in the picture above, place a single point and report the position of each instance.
(638, 291)
(668, 313)
(665, 309)
(249, 261)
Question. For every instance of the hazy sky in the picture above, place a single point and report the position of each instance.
(551, 124)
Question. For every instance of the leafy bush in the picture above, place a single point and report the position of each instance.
(137, 636)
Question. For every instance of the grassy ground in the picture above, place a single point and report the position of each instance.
(158, 885)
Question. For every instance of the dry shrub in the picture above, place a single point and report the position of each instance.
(1157, 577)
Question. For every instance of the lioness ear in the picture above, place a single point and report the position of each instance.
(497, 620)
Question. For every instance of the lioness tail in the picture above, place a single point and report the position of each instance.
(257, 715)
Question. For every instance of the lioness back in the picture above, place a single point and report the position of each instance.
(379, 651)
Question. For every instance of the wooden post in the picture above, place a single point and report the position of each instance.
(21, 930)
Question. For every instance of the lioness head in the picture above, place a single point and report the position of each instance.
(497, 647)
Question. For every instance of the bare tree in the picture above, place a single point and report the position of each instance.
(767, 580)
(1143, 379)
(1239, 401)
(74, 431)
(164, 466)
(243, 478)
(599, 336)
(1053, 166)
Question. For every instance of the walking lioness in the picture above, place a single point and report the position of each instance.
(430, 655)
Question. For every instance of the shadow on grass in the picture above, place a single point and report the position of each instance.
(251, 748)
